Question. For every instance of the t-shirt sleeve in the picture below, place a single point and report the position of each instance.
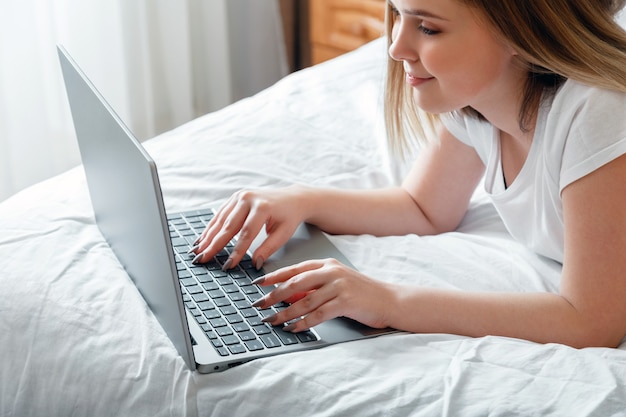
(597, 135)
(457, 126)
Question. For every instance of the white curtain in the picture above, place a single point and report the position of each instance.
(159, 63)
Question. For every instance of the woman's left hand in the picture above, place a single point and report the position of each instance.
(325, 289)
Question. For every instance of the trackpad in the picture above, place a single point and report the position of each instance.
(308, 242)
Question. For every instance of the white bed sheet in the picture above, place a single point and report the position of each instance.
(76, 338)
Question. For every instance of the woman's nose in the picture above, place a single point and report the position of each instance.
(403, 46)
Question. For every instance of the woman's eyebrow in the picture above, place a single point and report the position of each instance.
(418, 12)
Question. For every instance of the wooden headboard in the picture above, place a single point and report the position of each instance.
(339, 26)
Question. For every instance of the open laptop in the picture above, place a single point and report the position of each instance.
(206, 312)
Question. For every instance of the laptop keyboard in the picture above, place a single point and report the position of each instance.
(221, 301)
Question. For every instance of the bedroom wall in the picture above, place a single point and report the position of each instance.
(159, 64)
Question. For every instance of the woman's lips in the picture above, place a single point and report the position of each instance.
(414, 81)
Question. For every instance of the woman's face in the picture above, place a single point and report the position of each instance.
(450, 57)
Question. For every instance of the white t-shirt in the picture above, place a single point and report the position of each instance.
(578, 130)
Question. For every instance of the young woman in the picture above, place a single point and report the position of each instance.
(530, 96)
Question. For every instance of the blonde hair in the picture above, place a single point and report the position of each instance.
(554, 39)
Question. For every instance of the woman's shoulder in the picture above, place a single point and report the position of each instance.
(574, 94)
(585, 128)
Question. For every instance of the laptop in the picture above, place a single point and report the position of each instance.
(206, 312)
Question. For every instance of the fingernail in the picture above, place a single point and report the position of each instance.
(259, 281)
(269, 319)
(259, 263)
(289, 327)
(227, 264)
(259, 302)
(195, 242)
(196, 260)
(192, 250)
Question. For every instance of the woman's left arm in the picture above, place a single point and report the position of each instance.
(590, 309)
(594, 265)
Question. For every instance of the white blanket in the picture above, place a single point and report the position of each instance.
(77, 339)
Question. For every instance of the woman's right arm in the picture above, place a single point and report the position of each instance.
(433, 199)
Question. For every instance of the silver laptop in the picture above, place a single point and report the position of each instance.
(206, 312)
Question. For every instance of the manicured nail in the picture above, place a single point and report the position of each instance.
(269, 319)
(193, 250)
(259, 302)
(196, 260)
(259, 281)
(195, 242)
(259, 263)
(289, 327)
(227, 264)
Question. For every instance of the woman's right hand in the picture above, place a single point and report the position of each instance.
(245, 213)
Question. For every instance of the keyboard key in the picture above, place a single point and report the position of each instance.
(195, 289)
(262, 329)
(255, 321)
(247, 336)
(286, 337)
(188, 282)
(270, 341)
(230, 340)
(210, 286)
(184, 274)
(242, 303)
(203, 279)
(230, 288)
(198, 270)
(218, 273)
(224, 331)
(216, 294)
(218, 323)
(179, 241)
(224, 280)
(222, 351)
(249, 312)
(237, 274)
(244, 282)
(228, 310)
(212, 314)
(254, 274)
(206, 305)
(240, 327)
(240, 299)
(254, 297)
(236, 349)
(306, 336)
(250, 290)
(253, 345)
(198, 298)
(234, 318)
(222, 302)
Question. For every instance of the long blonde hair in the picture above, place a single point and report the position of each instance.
(555, 40)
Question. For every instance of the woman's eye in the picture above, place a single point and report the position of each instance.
(428, 31)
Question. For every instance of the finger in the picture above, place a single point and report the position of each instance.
(219, 234)
(288, 272)
(276, 238)
(305, 306)
(326, 311)
(297, 279)
(214, 225)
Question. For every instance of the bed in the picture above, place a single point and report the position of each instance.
(78, 339)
